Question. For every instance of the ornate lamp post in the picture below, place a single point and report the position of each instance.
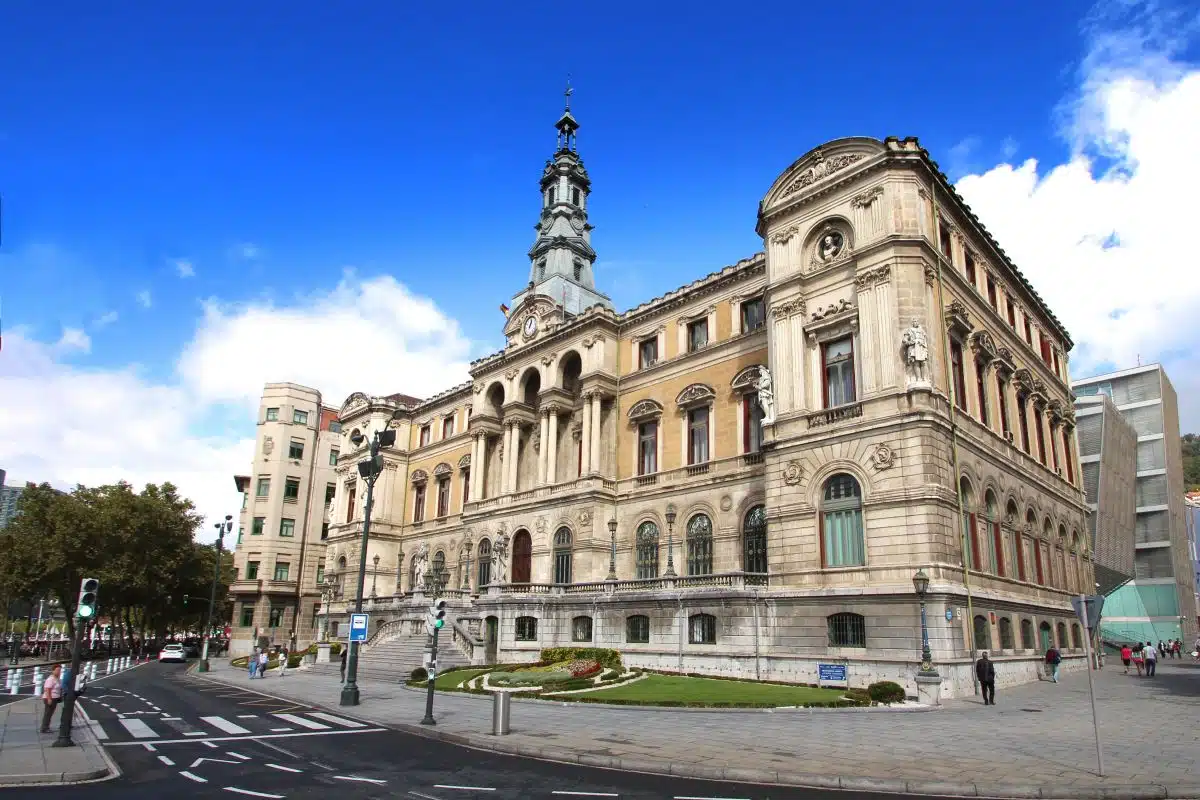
(921, 584)
(612, 553)
(670, 573)
(375, 575)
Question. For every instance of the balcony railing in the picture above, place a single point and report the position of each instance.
(728, 580)
(832, 416)
(716, 468)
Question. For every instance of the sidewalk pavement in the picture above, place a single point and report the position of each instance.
(26, 757)
(1037, 741)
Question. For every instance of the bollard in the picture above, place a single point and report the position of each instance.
(501, 712)
(17, 680)
(37, 679)
(8, 680)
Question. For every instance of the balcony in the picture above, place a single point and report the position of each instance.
(717, 469)
(262, 586)
(832, 416)
(724, 580)
(587, 482)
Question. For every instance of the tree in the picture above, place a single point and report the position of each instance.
(1191, 462)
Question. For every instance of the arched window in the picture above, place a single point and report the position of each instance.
(983, 633)
(522, 556)
(637, 629)
(847, 630)
(842, 523)
(1015, 539)
(1006, 634)
(1046, 635)
(581, 629)
(699, 545)
(754, 532)
(1062, 634)
(1027, 635)
(562, 555)
(485, 563)
(1031, 525)
(970, 539)
(994, 540)
(647, 551)
(437, 574)
(412, 574)
(702, 629)
(1046, 559)
(341, 563)
(1076, 636)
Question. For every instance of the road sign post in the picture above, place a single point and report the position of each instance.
(1088, 609)
(358, 627)
(434, 621)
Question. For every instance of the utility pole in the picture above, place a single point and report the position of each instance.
(222, 529)
(85, 609)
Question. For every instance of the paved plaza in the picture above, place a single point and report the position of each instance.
(1037, 741)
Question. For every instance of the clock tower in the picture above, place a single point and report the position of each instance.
(561, 258)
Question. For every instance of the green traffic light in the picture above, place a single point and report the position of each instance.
(437, 623)
(86, 611)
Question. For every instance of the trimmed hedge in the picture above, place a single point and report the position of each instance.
(886, 692)
(604, 656)
(529, 678)
(419, 675)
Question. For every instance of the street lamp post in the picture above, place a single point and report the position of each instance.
(222, 529)
(612, 553)
(375, 575)
(670, 573)
(370, 470)
(921, 584)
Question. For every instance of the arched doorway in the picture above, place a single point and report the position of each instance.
(522, 556)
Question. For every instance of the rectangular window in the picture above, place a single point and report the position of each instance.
(241, 533)
(466, 478)
(324, 531)
(247, 613)
(647, 448)
(333, 457)
(1002, 386)
(291, 490)
(647, 352)
(424, 438)
(1020, 550)
(697, 333)
(702, 629)
(287, 527)
(751, 423)
(526, 629)
(1012, 314)
(443, 497)
(837, 366)
(330, 491)
(981, 390)
(637, 629)
(1041, 436)
(1054, 449)
(1044, 343)
(264, 490)
(276, 617)
(251, 570)
(753, 314)
(1057, 364)
(957, 371)
(944, 241)
(418, 504)
(1028, 332)
(320, 574)
(969, 268)
(991, 292)
(299, 418)
(335, 427)
(447, 429)
(256, 529)
(295, 451)
(352, 491)
(698, 435)
(281, 571)
(272, 416)
(1023, 421)
(1067, 457)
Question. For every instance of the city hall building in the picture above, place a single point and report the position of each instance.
(742, 476)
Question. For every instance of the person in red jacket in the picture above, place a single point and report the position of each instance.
(1053, 659)
(1126, 657)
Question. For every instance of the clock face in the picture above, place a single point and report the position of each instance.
(531, 326)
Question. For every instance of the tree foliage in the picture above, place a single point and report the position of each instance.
(139, 544)
(1191, 462)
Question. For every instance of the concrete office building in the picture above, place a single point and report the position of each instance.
(1108, 458)
(9, 495)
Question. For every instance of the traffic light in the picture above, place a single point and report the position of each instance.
(437, 616)
(89, 595)
(185, 599)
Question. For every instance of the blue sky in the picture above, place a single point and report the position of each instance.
(273, 146)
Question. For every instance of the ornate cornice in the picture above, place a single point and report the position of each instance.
(864, 199)
(958, 322)
(822, 168)
(419, 476)
(865, 280)
(984, 346)
(788, 308)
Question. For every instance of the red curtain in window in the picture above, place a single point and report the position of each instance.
(1037, 556)
(1020, 548)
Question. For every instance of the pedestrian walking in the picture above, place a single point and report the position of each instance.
(1053, 659)
(985, 671)
(344, 648)
(1126, 656)
(51, 696)
(252, 663)
(1151, 655)
(283, 661)
(262, 664)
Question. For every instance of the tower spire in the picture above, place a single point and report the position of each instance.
(567, 125)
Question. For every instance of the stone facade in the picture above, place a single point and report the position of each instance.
(280, 550)
(742, 476)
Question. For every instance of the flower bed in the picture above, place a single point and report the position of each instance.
(583, 668)
(528, 678)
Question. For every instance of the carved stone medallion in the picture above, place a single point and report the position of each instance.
(793, 473)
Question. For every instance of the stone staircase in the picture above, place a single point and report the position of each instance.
(394, 659)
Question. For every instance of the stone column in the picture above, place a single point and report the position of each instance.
(478, 445)
(585, 437)
(504, 459)
(551, 445)
(541, 460)
(515, 461)
(594, 448)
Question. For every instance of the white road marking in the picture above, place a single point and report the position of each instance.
(423, 796)
(302, 722)
(251, 793)
(587, 794)
(279, 749)
(345, 723)
(200, 761)
(375, 781)
(276, 766)
(189, 775)
(164, 759)
(281, 730)
(691, 797)
(462, 788)
(176, 719)
(151, 748)
(209, 744)
(156, 708)
(237, 755)
(316, 764)
(254, 738)
(224, 725)
(138, 729)
(244, 716)
(94, 726)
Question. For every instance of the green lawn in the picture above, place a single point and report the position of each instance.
(451, 680)
(659, 688)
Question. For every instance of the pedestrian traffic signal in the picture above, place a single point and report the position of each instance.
(185, 599)
(437, 616)
(89, 595)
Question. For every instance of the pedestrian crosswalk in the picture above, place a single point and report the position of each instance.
(116, 728)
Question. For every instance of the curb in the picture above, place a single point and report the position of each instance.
(767, 776)
(84, 737)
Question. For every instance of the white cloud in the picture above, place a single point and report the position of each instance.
(1106, 236)
(185, 268)
(246, 251)
(68, 424)
(104, 320)
(73, 340)
(144, 299)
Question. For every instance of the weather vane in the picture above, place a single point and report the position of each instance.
(568, 91)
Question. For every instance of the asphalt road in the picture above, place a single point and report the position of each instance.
(177, 736)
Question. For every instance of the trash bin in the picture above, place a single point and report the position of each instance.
(501, 708)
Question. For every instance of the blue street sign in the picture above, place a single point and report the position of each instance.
(949, 615)
(358, 627)
(832, 673)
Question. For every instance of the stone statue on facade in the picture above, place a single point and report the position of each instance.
(766, 395)
(831, 245)
(916, 354)
(500, 559)
(420, 568)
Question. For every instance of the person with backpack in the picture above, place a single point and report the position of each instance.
(1053, 659)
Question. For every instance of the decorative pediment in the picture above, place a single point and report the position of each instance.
(958, 322)
(442, 469)
(984, 346)
(821, 167)
(832, 322)
(645, 409)
(463, 463)
(354, 402)
(1024, 380)
(540, 308)
(1056, 411)
(420, 476)
(1005, 364)
(695, 395)
(747, 379)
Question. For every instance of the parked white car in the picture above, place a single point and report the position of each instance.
(172, 652)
